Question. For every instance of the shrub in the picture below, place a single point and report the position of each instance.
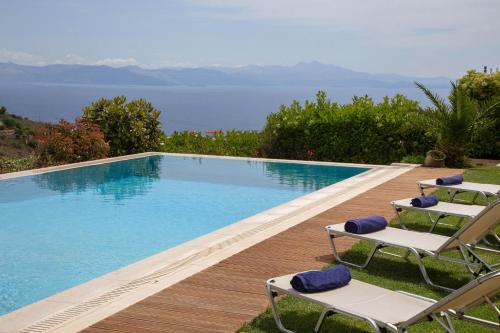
(362, 131)
(456, 122)
(128, 127)
(480, 86)
(16, 164)
(70, 143)
(10, 122)
(233, 143)
(484, 88)
(414, 159)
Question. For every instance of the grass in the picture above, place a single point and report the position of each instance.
(391, 273)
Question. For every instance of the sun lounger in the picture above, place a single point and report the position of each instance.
(423, 244)
(387, 310)
(483, 190)
(441, 210)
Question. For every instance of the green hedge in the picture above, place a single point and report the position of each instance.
(231, 143)
(361, 131)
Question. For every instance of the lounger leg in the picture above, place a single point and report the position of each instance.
(445, 322)
(337, 256)
(271, 295)
(321, 320)
(466, 260)
(421, 189)
(421, 265)
(485, 241)
(374, 325)
(400, 220)
(452, 195)
(434, 222)
(484, 265)
(475, 197)
(485, 197)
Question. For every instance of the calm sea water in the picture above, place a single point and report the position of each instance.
(197, 108)
(63, 228)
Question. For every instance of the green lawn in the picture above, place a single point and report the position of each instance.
(392, 273)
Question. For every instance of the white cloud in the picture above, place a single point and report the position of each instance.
(116, 62)
(71, 58)
(24, 58)
(21, 58)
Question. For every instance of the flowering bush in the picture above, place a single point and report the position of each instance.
(69, 143)
(362, 131)
(480, 86)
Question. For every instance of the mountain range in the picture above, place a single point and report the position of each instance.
(301, 74)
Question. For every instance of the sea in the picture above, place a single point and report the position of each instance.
(200, 108)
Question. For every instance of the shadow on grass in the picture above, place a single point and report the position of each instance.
(399, 269)
(298, 316)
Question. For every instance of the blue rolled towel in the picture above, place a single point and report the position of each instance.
(423, 202)
(452, 180)
(316, 281)
(365, 225)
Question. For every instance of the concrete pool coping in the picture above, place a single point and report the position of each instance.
(85, 304)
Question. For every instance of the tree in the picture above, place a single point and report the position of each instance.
(3, 110)
(129, 128)
(70, 143)
(455, 123)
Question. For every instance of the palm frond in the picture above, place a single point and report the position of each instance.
(435, 99)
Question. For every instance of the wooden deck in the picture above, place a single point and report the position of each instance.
(222, 297)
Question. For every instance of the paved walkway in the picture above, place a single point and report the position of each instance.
(222, 297)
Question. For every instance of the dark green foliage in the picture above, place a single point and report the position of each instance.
(414, 159)
(232, 143)
(3, 109)
(484, 87)
(361, 131)
(11, 122)
(456, 123)
(129, 128)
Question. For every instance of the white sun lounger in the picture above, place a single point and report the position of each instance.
(441, 210)
(387, 310)
(423, 244)
(484, 190)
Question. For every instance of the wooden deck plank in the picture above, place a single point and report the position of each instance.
(222, 297)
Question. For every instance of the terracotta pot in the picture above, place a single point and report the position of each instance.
(434, 159)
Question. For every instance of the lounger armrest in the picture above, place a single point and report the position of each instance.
(416, 296)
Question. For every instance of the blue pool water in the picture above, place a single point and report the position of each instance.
(64, 228)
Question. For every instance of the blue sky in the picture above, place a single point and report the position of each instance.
(423, 38)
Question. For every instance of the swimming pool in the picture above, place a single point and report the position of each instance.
(63, 228)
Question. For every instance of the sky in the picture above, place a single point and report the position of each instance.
(418, 37)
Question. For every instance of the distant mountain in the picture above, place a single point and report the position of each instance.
(301, 74)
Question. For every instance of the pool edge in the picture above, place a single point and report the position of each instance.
(38, 171)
